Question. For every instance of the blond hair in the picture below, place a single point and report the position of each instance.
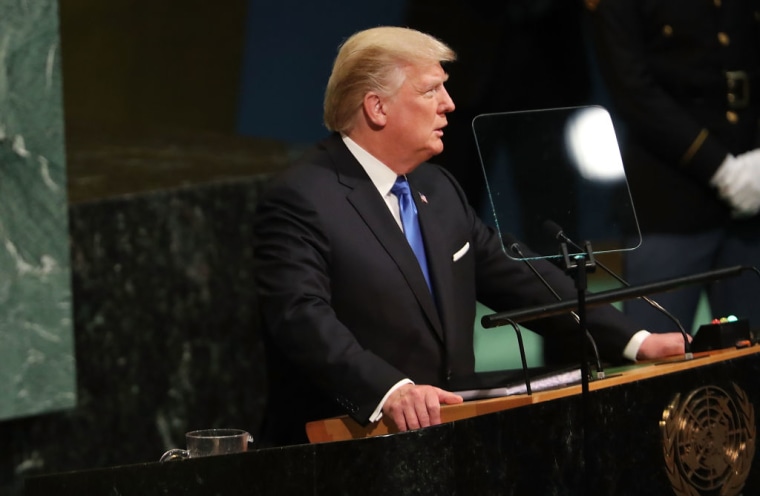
(373, 60)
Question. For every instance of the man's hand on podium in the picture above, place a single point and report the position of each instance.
(662, 345)
(412, 406)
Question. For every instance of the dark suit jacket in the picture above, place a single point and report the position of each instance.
(345, 307)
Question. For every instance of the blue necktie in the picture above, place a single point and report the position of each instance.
(410, 223)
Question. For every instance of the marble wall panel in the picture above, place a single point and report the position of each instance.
(166, 331)
(37, 364)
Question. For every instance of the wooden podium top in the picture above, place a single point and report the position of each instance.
(344, 428)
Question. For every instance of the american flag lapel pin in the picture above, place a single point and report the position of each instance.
(423, 198)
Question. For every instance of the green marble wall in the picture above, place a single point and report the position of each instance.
(37, 365)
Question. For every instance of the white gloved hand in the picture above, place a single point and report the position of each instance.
(738, 182)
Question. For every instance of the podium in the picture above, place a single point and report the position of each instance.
(678, 427)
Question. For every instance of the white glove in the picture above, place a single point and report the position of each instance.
(738, 182)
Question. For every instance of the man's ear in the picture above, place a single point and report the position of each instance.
(374, 109)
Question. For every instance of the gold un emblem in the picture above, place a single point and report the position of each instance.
(709, 441)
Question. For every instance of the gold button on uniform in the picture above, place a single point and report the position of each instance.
(667, 30)
(723, 39)
(732, 117)
(591, 4)
(717, 3)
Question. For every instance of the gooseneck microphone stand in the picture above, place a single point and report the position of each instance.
(524, 361)
(514, 247)
(556, 232)
(578, 266)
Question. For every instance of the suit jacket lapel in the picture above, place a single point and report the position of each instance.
(372, 208)
(438, 257)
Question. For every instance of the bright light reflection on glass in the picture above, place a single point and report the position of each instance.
(592, 143)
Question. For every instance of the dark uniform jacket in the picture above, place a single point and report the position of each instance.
(683, 80)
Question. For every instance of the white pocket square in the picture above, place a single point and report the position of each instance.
(460, 252)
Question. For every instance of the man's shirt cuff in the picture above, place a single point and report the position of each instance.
(632, 348)
(378, 413)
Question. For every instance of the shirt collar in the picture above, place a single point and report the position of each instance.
(379, 173)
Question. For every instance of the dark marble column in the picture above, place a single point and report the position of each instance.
(166, 331)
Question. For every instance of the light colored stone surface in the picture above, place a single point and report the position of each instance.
(37, 364)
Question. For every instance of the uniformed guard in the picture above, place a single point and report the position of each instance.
(682, 77)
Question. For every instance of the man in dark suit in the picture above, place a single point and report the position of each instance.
(354, 322)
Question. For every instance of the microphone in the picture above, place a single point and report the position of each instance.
(514, 247)
(556, 232)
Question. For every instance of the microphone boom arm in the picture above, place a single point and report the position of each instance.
(603, 297)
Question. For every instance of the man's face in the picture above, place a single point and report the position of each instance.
(417, 114)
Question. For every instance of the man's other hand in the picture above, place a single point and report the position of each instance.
(662, 345)
(412, 406)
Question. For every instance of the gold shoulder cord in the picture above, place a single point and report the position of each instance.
(694, 148)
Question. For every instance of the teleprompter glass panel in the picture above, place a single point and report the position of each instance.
(556, 169)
